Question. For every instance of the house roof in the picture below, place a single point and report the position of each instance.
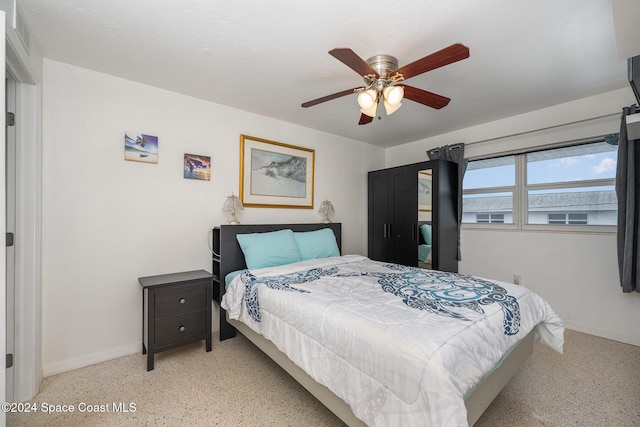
(566, 202)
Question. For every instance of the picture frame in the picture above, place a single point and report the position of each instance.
(197, 167)
(140, 147)
(275, 175)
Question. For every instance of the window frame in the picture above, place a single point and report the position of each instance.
(520, 192)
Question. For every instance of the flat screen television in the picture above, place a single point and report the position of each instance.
(633, 66)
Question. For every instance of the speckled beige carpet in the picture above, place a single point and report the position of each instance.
(595, 383)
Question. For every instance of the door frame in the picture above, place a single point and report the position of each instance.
(10, 221)
(25, 69)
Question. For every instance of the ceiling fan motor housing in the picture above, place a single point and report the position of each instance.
(383, 64)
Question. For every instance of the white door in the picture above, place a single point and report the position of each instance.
(3, 300)
(10, 135)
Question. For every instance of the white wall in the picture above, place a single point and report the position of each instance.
(107, 221)
(576, 273)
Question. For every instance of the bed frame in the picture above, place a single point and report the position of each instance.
(232, 259)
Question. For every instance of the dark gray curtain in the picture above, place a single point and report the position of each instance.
(627, 188)
(453, 153)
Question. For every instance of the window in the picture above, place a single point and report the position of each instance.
(572, 185)
(489, 186)
(576, 182)
(490, 218)
(567, 218)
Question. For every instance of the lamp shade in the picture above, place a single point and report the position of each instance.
(326, 208)
(393, 94)
(231, 205)
(390, 109)
(371, 111)
(367, 99)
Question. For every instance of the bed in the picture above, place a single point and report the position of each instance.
(351, 330)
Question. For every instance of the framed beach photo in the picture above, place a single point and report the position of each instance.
(140, 147)
(197, 167)
(275, 175)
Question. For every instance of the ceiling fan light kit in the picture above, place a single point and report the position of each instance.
(382, 77)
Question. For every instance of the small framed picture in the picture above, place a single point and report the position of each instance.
(140, 147)
(197, 167)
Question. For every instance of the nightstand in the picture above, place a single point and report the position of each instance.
(176, 310)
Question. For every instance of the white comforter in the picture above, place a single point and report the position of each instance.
(402, 346)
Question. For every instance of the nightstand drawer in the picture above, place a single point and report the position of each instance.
(179, 328)
(180, 299)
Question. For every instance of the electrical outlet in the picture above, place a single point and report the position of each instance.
(516, 279)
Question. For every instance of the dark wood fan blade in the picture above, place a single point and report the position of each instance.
(330, 97)
(364, 119)
(429, 99)
(446, 56)
(353, 61)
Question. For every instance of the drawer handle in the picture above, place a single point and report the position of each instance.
(182, 328)
(182, 300)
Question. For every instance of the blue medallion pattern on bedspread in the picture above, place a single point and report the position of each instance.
(438, 292)
(442, 293)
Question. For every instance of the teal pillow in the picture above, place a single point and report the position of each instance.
(317, 244)
(425, 229)
(269, 249)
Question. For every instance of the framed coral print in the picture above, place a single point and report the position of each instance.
(275, 175)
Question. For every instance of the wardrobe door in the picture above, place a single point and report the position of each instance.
(379, 244)
(403, 200)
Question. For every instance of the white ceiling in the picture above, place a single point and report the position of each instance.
(268, 57)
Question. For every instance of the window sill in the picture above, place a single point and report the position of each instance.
(545, 228)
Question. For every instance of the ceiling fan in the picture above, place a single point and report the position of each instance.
(382, 79)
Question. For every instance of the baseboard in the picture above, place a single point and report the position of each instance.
(633, 340)
(90, 359)
(101, 356)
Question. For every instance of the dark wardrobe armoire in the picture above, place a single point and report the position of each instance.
(403, 199)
